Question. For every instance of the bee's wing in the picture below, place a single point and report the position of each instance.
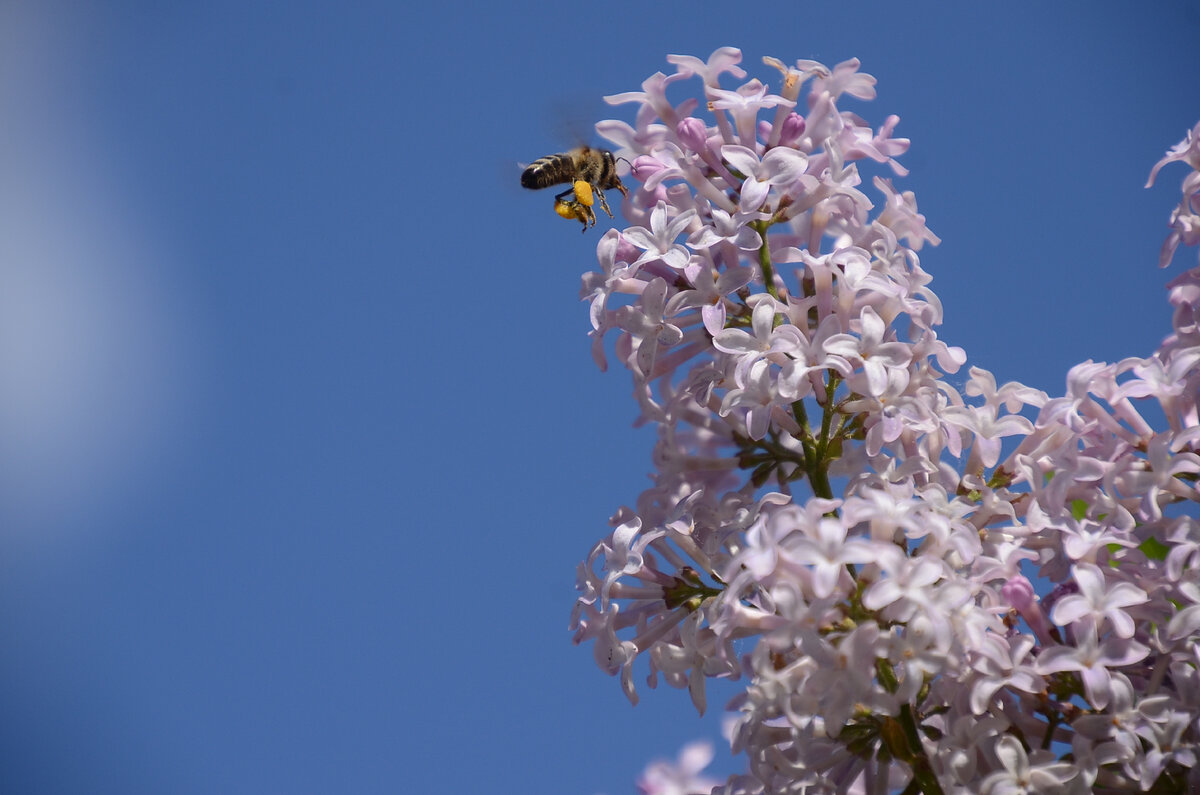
(572, 122)
(508, 173)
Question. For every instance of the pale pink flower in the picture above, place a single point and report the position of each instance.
(872, 349)
(1091, 659)
(681, 777)
(780, 167)
(658, 242)
(1026, 773)
(1098, 600)
(1187, 150)
(807, 526)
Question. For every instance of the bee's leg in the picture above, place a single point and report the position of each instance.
(603, 201)
(558, 199)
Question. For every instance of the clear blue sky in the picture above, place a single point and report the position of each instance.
(300, 437)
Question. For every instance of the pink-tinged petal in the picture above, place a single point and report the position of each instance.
(669, 335)
(763, 319)
(783, 165)
(678, 225)
(1019, 593)
(1184, 623)
(872, 325)
(692, 134)
(1187, 150)
(989, 450)
(1097, 685)
(842, 345)
(723, 60)
(1090, 581)
(714, 317)
(757, 422)
(1122, 623)
(734, 340)
(676, 258)
(882, 594)
(926, 572)
(640, 238)
(598, 355)
(695, 757)
(877, 377)
(1010, 753)
(1117, 652)
(1057, 659)
(1070, 609)
(825, 580)
(705, 238)
(645, 167)
(741, 158)
(754, 193)
(654, 298)
(747, 239)
(1125, 594)
(982, 691)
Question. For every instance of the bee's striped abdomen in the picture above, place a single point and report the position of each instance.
(549, 170)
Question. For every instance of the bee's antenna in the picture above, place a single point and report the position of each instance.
(619, 159)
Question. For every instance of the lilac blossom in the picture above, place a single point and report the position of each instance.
(1024, 773)
(1097, 601)
(921, 584)
(682, 777)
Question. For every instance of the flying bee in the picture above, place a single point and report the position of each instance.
(590, 171)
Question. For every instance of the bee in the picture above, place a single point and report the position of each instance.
(588, 170)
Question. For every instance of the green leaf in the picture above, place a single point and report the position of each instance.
(1154, 549)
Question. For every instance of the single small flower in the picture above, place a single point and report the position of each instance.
(988, 430)
(1098, 600)
(724, 60)
(744, 104)
(844, 79)
(681, 777)
(646, 323)
(810, 357)
(725, 228)
(658, 242)
(766, 339)
(825, 549)
(871, 350)
(779, 167)
(709, 294)
(756, 397)
(1187, 150)
(1032, 773)
(1092, 659)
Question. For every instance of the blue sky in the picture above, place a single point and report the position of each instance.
(300, 437)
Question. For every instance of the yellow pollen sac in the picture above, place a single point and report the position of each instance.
(583, 193)
(576, 211)
(566, 209)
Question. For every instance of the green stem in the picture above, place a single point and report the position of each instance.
(764, 259)
(922, 771)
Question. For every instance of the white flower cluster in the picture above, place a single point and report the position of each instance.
(886, 618)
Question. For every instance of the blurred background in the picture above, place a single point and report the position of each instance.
(300, 437)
